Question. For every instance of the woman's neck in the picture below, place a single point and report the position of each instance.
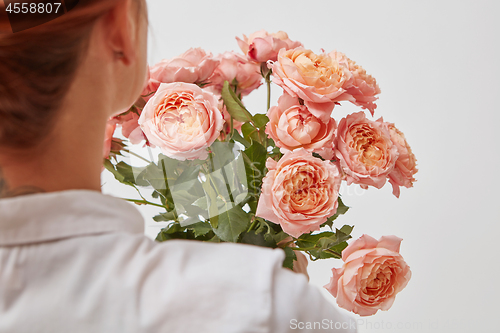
(70, 157)
(61, 165)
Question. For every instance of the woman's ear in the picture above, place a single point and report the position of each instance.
(120, 31)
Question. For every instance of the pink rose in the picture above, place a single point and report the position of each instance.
(108, 137)
(150, 87)
(317, 79)
(406, 164)
(193, 66)
(365, 150)
(183, 120)
(363, 87)
(292, 126)
(129, 122)
(238, 71)
(262, 46)
(299, 192)
(372, 274)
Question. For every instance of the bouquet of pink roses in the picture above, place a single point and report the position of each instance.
(225, 175)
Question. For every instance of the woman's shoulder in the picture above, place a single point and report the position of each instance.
(215, 283)
(186, 258)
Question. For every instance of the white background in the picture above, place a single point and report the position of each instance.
(437, 63)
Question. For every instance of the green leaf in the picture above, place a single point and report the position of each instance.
(309, 240)
(290, 257)
(341, 210)
(214, 239)
(174, 231)
(260, 120)
(186, 178)
(236, 137)
(111, 168)
(184, 198)
(168, 167)
(241, 198)
(234, 105)
(280, 236)
(275, 154)
(347, 229)
(129, 173)
(200, 228)
(231, 223)
(326, 244)
(201, 202)
(272, 232)
(258, 239)
(211, 198)
(169, 216)
(222, 154)
(250, 133)
(318, 156)
(257, 155)
(255, 164)
(157, 178)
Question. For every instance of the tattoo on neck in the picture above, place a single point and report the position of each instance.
(6, 192)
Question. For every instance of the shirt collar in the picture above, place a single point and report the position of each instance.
(51, 216)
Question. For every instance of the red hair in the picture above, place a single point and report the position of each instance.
(37, 67)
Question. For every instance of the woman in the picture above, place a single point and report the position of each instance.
(74, 260)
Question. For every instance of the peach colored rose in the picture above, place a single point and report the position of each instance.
(372, 274)
(363, 87)
(238, 71)
(193, 66)
(406, 164)
(365, 150)
(262, 46)
(292, 126)
(299, 192)
(183, 120)
(317, 79)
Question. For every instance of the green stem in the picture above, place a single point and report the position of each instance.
(268, 83)
(230, 136)
(210, 180)
(228, 188)
(305, 249)
(302, 248)
(140, 194)
(290, 242)
(334, 252)
(143, 202)
(252, 226)
(136, 155)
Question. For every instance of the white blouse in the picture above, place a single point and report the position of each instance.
(77, 261)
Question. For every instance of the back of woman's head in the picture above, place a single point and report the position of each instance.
(37, 67)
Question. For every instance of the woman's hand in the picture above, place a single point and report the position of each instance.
(299, 265)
